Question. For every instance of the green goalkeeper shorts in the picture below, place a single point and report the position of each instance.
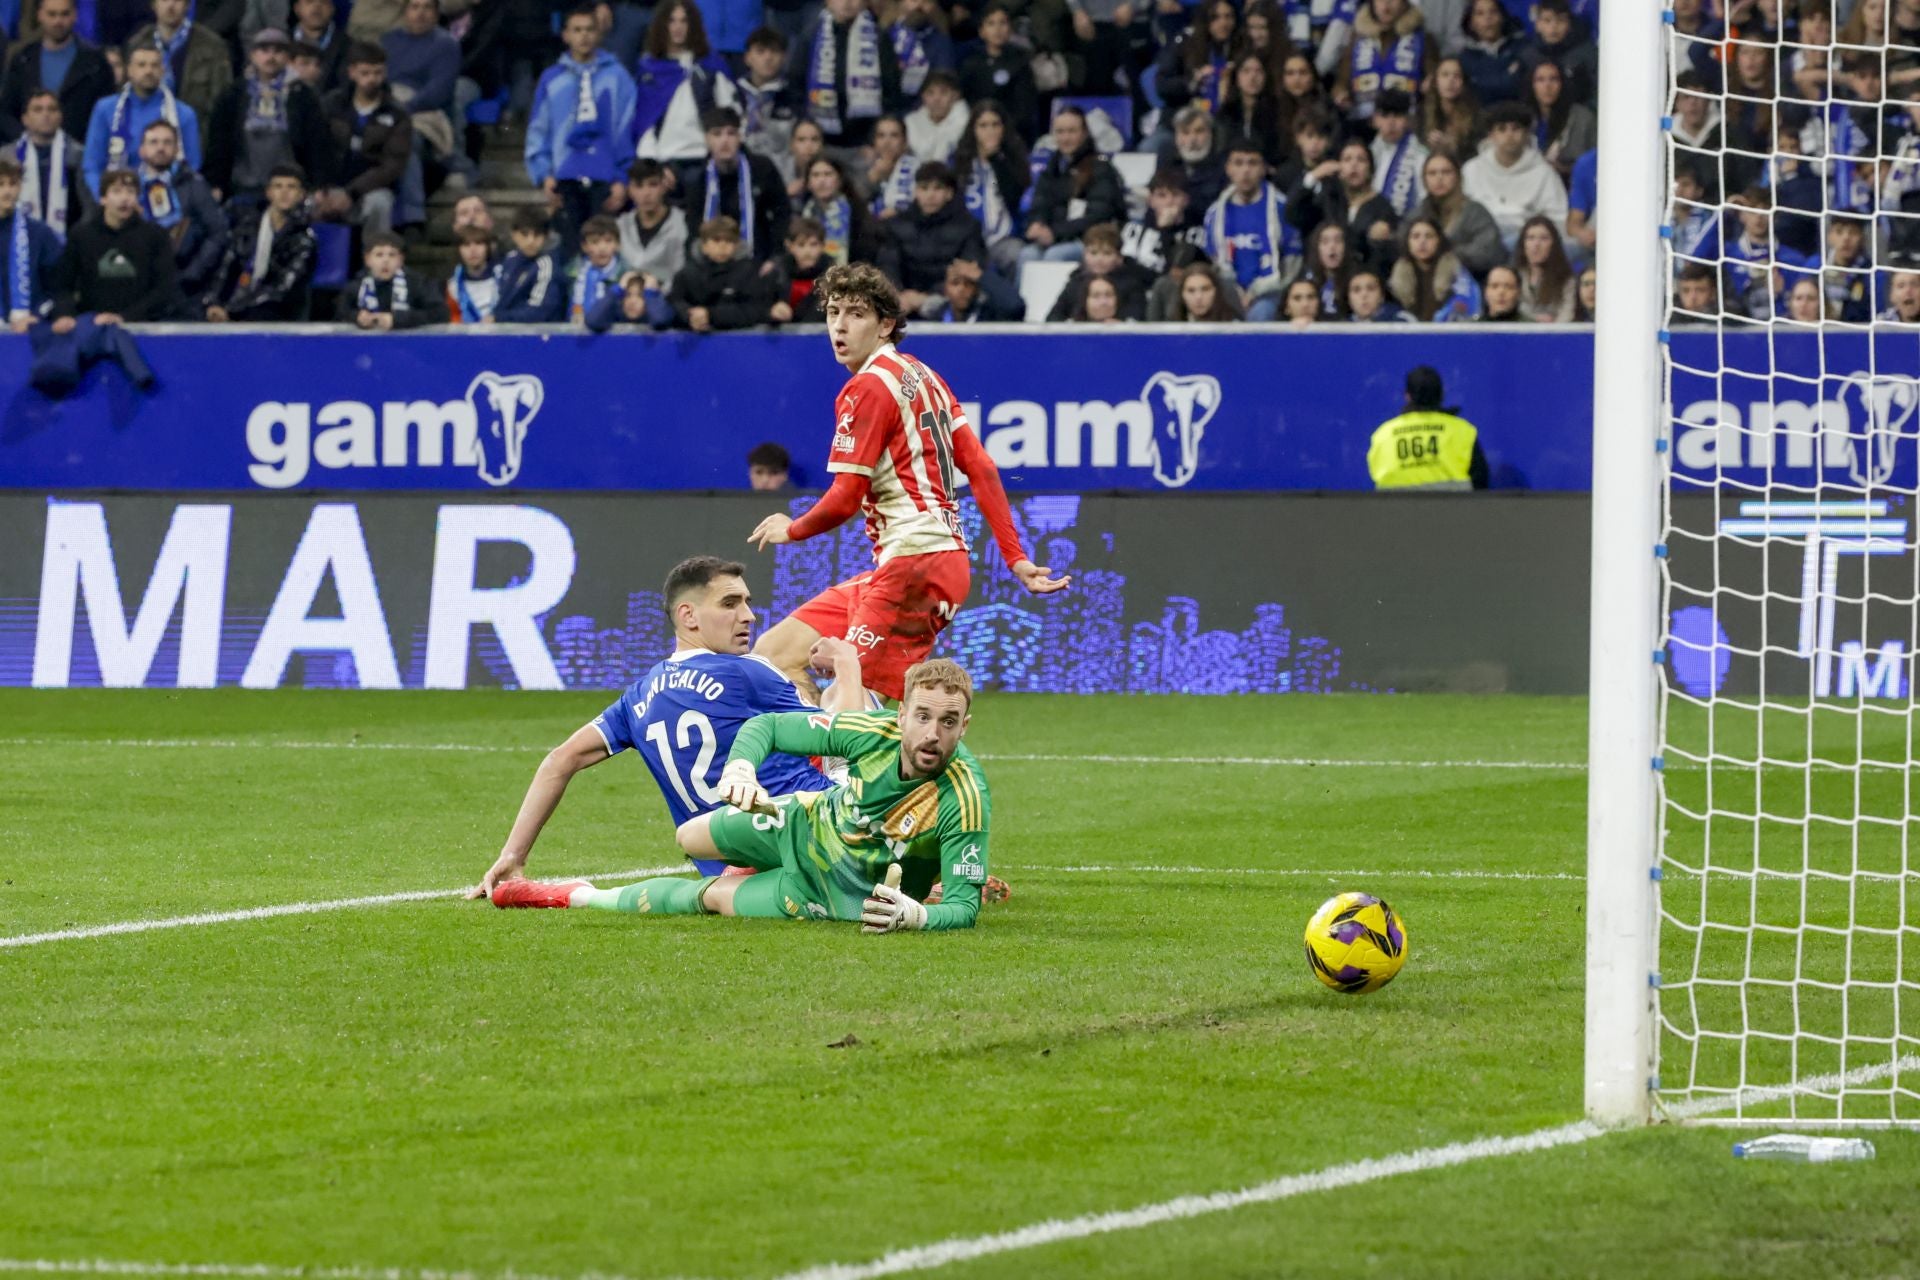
(776, 845)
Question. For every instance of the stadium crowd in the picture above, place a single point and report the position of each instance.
(1292, 161)
(1796, 153)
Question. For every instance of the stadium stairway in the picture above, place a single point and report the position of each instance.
(503, 181)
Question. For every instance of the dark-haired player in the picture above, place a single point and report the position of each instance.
(898, 437)
(915, 806)
(682, 717)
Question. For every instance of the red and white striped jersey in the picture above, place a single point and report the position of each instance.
(894, 423)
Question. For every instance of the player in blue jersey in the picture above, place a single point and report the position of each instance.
(681, 717)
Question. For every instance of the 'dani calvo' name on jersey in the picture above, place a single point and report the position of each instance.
(707, 686)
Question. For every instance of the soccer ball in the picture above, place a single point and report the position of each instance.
(1356, 943)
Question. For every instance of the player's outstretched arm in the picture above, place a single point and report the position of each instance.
(834, 509)
(833, 656)
(583, 750)
(984, 474)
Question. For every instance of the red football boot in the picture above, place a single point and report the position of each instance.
(994, 890)
(535, 893)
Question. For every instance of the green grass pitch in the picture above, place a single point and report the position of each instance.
(438, 1085)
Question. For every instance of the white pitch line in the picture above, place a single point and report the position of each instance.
(1759, 1094)
(280, 909)
(423, 895)
(1036, 1235)
(244, 1271)
(1288, 762)
(481, 748)
(966, 1248)
(1313, 873)
(963, 1249)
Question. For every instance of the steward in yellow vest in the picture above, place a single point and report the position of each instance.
(1427, 448)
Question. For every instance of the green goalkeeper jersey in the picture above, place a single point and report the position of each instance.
(876, 816)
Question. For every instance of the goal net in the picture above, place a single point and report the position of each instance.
(1787, 830)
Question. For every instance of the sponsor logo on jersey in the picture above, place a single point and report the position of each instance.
(968, 867)
(485, 430)
(820, 720)
(843, 433)
(1159, 431)
(863, 636)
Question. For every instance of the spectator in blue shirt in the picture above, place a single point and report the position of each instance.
(1248, 233)
(580, 131)
(29, 253)
(118, 121)
(533, 288)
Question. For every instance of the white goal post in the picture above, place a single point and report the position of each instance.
(1628, 424)
(1753, 829)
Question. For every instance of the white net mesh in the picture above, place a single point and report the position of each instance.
(1790, 881)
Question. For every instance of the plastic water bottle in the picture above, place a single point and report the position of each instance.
(1804, 1148)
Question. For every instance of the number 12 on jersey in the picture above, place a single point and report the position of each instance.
(704, 772)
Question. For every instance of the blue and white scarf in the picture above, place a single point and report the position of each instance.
(173, 53)
(367, 297)
(744, 173)
(120, 140)
(1400, 180)
(910, 47)
(44, 196)
(836, 218)
(266, 103)
(1852, 184)
(754, 102)
(659, 79)
(158, 199)
(589, 149)
(1462, 302)
(586, 112)
(1749, 268)
(863, 75)
(1691, 228)
(20, 267)
(984, 202)
(473, 310)
(592, 284)
(895, 191)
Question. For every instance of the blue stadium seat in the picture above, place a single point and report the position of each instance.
(330, 265)
(486, 112)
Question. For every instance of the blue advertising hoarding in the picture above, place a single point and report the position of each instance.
(1147, 409)
(1787, 411)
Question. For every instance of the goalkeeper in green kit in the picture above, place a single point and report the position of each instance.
(914, 807)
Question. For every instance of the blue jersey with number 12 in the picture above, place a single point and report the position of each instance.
(682, 715)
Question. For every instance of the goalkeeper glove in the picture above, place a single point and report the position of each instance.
(740, 787)
(888, 909)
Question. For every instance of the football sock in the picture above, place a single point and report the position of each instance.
(664, 896)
